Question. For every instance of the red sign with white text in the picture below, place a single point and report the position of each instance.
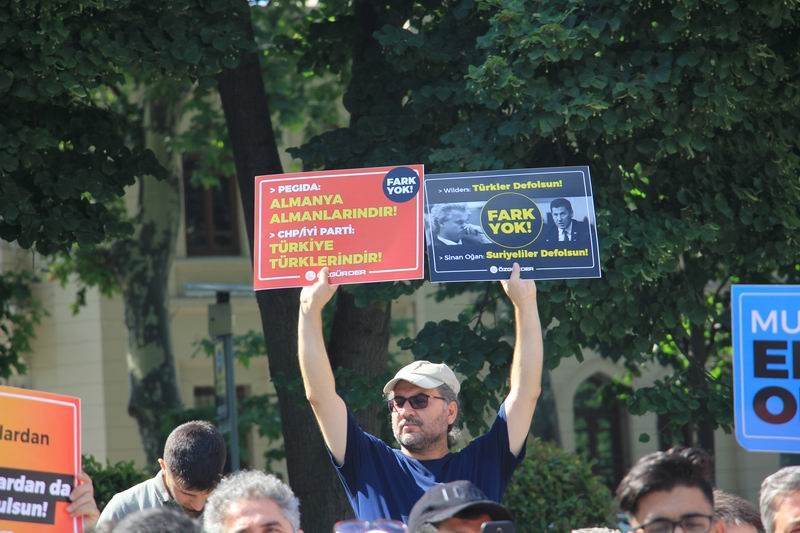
(364, 224)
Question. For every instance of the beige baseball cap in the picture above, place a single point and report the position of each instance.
(426, 375)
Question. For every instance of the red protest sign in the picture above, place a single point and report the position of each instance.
(364, 224)
(40, 457)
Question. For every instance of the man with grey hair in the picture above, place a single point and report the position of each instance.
(384, 482)
(780, 501)
(250, 501)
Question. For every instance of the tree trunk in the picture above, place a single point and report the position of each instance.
(311, 475)
(360, 335)
(359, 342)
(697, 380)
(545, 418)
(151, 364)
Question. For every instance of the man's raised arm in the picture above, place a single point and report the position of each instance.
(328, 406)
(526, 366)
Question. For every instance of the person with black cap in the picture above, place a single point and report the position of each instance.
(384, 482)
(458, 506)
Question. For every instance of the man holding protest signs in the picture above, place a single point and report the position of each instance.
(382, 482)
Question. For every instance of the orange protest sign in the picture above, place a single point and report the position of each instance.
(39, 460)
(364, 224)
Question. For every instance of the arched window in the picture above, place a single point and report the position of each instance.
(601, 431)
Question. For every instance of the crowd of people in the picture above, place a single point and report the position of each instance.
(422, 486)
(664, 492)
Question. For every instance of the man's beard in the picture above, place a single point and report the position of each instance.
(417, 441)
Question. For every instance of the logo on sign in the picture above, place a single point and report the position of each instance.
(511, 220)
(401, 184)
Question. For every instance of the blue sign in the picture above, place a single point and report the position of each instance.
(478, 224)
(765, 321)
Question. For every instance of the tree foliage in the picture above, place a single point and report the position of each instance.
(688, 121)
(554, 490)
(64, 157)
(686, 113)
(101, 84)
(110, 479)
(20, 312)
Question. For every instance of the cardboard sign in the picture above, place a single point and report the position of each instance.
(765, 322)
(364, 224)
(40, 458)
(478, 224)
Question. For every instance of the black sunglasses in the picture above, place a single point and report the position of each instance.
(418, 401)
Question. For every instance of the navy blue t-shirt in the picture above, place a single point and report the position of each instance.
(381, 482)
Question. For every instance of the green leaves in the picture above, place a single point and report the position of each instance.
(59, 182)
(6, 80)
(57, 146)
(110, 479)
(688, 120)
(20, 312)
(682, 404)
(554, 490)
